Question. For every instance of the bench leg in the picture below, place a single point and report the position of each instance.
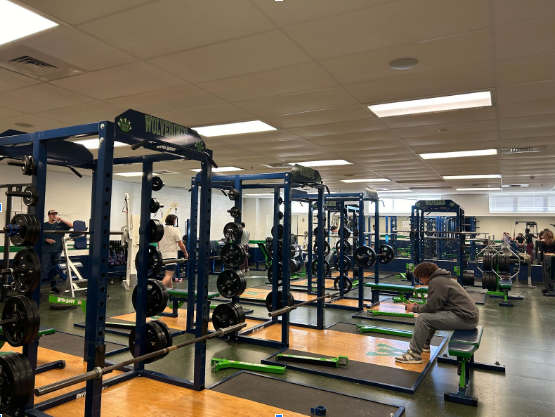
(461, 396)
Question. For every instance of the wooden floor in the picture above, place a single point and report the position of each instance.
(178, 323)
(304, 283)
(260, 294)
(355, 346)
(366, 274)
(74, 366)
(346, 302)
(146, 397)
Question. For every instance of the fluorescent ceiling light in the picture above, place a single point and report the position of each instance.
(459, 154)
(258, 195)
(395, 191)
(368, 180)
(95, 143)
(471, 177)
(478, 189)
(322, 163)
(130, 174)
(234, 128)
(435, 104)
(221, 169)
(17, 22)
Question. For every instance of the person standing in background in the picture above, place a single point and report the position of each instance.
(520, 241)
(52, 245)
(168, 245)
(529, 243)
(548, 248)
(245, 238)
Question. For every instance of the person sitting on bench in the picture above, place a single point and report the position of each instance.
(448, 307)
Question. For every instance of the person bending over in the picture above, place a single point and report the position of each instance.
(448, 307)
(168, 246)
(548, 246)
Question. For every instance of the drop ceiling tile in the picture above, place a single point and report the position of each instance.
(344, 148)
(282, 81)
(301, 154)
(294, 103)
(389, 24)
(378, 135)
(224, 113)
(338, 128)
(170, 26)
(78, 48)
(4, 113)
(525, 39)
(433, 55)
(310, 118)
(527, 140)
(454, 147)
(284, 144)
(10, 80)
(78, 11)
(531, 108)
(39, 123)
(445, 138)
(527, 122)
(455, 128)
(125, 80)
(515, 11)
(536, 133)
(536, 91)
(526, 70)
(171, 99)
(446, 82)
(85, 113)
(249, 55)
(249, 139)
(41, 97)
(448, 117)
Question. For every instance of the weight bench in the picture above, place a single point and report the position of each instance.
(43, 331)
(177, 297)
(400, 290)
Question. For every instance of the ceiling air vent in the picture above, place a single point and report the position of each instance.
(32, 63)
(515, 185)
(524, 149)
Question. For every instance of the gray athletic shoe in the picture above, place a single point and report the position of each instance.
(426, 348)
(409, 357)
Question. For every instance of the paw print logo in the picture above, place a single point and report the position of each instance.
(199, 145)
(124, 124)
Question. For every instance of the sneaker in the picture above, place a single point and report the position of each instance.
(426, 348)
(545, 291)
(409, 357)
(55, 290)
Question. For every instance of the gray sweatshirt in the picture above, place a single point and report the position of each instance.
(446, 294)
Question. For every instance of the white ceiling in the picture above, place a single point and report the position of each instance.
(308, 68)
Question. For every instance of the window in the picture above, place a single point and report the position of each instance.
(521, 203)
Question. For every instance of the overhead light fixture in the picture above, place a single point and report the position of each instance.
(258, 195)
(368, 180)
(472, 177)
(95, 143)
(322, 163)
(18, 22)
(395, 191)
(479, 189)
(458, 154)
(221, 169)
(234, 128)
(430, 105)
(130, 174)
(403, 63)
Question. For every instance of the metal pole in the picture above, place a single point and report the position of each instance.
(6, 249)
(275, 251)
(309, 246)
(361, 240)
(341, 246)
(320, 281)
(192, 251)
(286, 254)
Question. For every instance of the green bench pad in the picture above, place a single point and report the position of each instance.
(462, 350)
(468, 337)
(505, 283)
(421, 290)
(390, 287)
(183, 294)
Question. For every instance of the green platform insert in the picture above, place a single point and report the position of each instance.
(333, 362)
(390, 313)
(220, 364)
(362, 328)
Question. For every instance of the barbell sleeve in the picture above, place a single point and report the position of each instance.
(98, 372)
(288, 309)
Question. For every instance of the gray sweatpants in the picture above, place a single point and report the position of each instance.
(546, 271)
(428, 323)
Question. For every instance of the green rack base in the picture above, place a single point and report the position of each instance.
(220, 364)
(362, 328)
(389, 313)
(333, 362)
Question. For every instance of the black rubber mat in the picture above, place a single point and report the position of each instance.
(72, 344)
(123, 331)
(386, 319)
(293, 397)
(352, 328)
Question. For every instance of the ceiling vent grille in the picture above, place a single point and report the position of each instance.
(524, 149)
(32, 64)
(516, 185)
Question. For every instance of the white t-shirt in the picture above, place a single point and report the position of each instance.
(245, 237)
(168, 245)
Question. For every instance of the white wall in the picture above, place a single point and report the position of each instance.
(71, 196)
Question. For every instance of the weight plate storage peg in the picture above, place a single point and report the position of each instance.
(234, 212)
(290, 300)
(233, 194)
(365, 257)
(347, 284)
(231, 283)
(233, 231)
(21, 320)
(155, 340)
(228, 314)
(26, 270)
(16, 382)
(387, 254)
(157, 184)
(154, 266)
(314, 268)
(32, 196)
(155, 231)
(156, 298)
(232, 255)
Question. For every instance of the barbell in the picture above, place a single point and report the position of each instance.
(25, 270)
(365, 256)
(28, 165)
(30, 195)
(98, 372)
(289, 308)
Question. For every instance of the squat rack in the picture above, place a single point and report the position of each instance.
(170, 141)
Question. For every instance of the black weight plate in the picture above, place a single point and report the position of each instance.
(504, 264)
(156, 298)
(346, 263)
(25, 329)
(154, 205)
(468, 277)
(234, 212)
(29, 165)
(231, 283)
(326, 248)
(240, 312)
(155, 340)
(347, 284)
(225, 315)
(28, 233)
(326, 232)
(387, 254)
(155, 231)
(290, 300)
(167, 333)
(327, 268)
(280, 200)
(280, 215)
(157, 184)
(280, 231)
(233, 195)
(488, 261)
(36, 227)
(27, 381)
(346, 233)
(28, 279)
(295, 266)
(233, 231)
(154, 266)
(11, 387)
(346, 245)
(32, 195)
(365, 257)
(232, 255)
(280, 274)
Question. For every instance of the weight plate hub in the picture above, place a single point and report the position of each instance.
(155, 231)
(327, 268)
(347, 284)
(156, 298)
(233, 232)
(155, 340)
(365, 257)
(387, 254)
(154, 266)
(290, 300)
(231, 283)
(32, 196)
(25, 328)
(26, 266)
(232, 255)
(228, 314)
(326, 248)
